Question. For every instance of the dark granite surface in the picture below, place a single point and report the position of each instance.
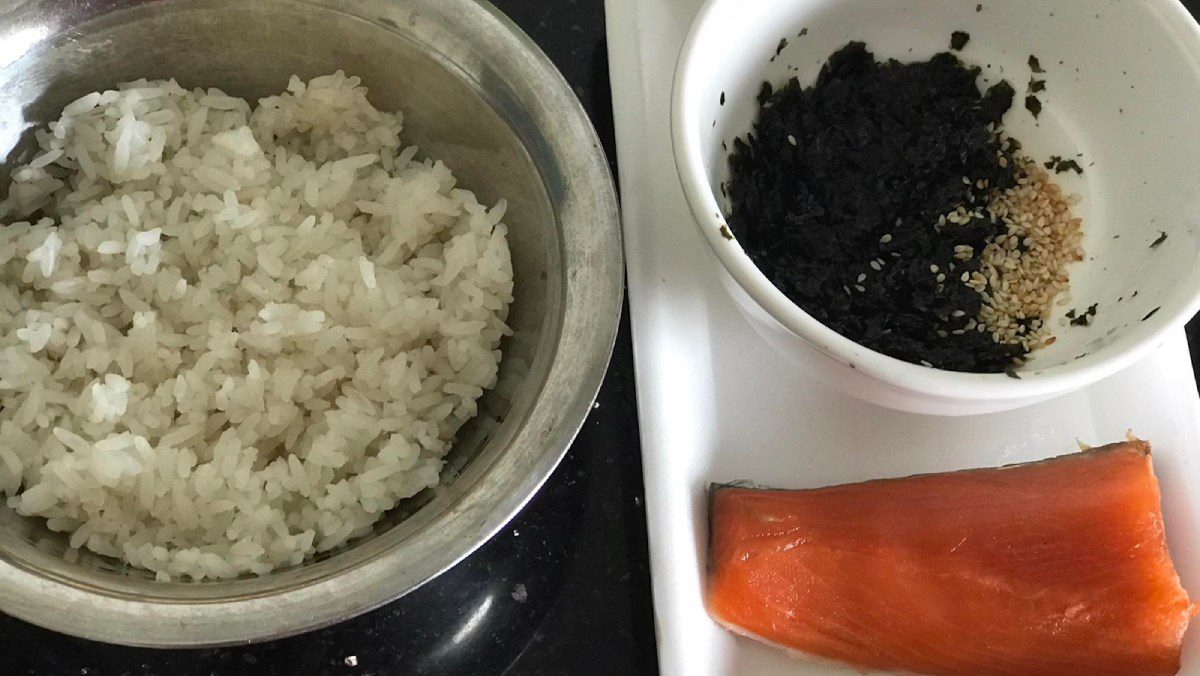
(562, 589)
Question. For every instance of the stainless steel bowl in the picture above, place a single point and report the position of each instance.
(476, 93)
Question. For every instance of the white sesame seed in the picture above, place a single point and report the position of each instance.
(1025, 268)
(791, 139)
(861, 277)
(876, 266)
(885, 239)
(933, 269)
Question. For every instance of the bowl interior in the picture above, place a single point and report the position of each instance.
(1117, 110)
(411, 62)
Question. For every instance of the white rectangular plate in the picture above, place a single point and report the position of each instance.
(717, 405)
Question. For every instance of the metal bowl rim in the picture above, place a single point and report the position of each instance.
(593, 292)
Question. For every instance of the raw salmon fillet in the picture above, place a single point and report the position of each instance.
(1056, 567)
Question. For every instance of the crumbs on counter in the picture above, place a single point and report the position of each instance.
(519, 593)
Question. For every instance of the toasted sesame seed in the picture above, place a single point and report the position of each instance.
(966, 276)
(1025, 267)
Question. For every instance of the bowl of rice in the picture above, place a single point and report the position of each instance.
(299, 303)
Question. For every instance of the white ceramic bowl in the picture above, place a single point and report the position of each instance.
(1122, 90)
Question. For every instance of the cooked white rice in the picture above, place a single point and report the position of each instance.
(235, 337)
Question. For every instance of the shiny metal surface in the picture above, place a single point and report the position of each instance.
(475, 93)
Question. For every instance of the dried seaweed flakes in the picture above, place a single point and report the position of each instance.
(1035, 65)
(1151, 313)
(1162, 237)
(959, 39)
(1033, 105)
(1060, 165)
(1084, 318)
(807, 213)
(783, 43)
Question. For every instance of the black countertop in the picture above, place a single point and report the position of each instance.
(564, 588)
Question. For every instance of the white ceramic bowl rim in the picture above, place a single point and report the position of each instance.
(685, 130)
